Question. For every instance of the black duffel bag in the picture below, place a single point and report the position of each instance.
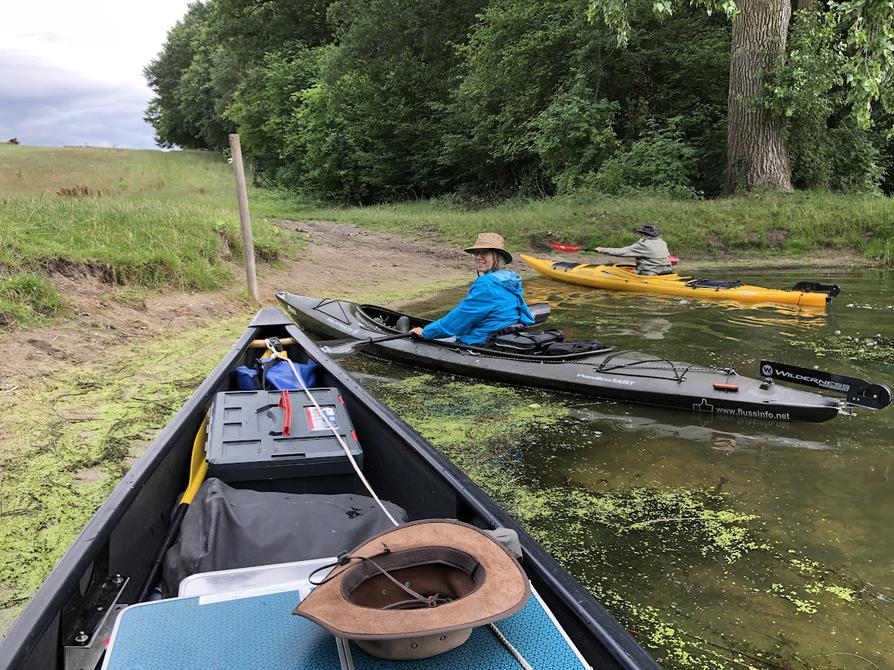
(527, 341)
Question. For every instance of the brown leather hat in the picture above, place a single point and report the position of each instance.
(456, 578)
(490, 242)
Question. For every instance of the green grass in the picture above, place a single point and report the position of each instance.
(784, 225)
(55, 472)
(28, 300)
(150, 218)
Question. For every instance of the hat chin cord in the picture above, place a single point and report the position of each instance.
(496, 631)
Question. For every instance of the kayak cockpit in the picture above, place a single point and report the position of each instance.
(397, 322)
(389, 320)
(520, 343)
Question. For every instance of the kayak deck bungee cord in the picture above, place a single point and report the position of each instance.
(604, 372)
(623, 278)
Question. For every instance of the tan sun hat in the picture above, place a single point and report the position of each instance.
(491, 242)
(456, 577)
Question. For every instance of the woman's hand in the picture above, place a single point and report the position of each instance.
(417, 331)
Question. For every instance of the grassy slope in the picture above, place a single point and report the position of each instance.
(135, 217)
(150, 218)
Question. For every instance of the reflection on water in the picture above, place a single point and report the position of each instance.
(722, 439)
(720, 544)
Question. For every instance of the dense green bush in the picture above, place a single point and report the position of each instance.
(370, 127)
(364, 101)
(573, 137)
(828, 149)
(659, 162)
(263, 108)
(857, 164)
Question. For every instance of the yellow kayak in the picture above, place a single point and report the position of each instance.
(622, 278)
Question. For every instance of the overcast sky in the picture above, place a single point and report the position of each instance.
(71, 70)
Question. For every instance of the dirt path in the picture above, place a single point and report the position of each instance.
(341, 260)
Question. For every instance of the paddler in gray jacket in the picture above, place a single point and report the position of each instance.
(650, 252)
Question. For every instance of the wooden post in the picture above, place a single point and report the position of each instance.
(248, 246)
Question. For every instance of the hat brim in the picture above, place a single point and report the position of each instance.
(507, 257)
(504, 591)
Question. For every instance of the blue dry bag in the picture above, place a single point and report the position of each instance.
(277, 375)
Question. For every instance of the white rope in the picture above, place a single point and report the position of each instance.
(344, 446)
(512, 650)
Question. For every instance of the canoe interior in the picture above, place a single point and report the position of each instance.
(130, 526)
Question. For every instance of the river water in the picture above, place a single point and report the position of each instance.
(720, 544)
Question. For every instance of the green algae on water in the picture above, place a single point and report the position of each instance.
(619, 539)
(875, 347)
(69, 443)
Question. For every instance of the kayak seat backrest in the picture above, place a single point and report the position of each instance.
(540, 311)
(713, 283)
(565, 265)
(831, 290)
(527, 341)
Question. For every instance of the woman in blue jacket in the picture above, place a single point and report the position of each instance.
(493, 302)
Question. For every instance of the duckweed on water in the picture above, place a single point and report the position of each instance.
(875, 347)
(617, 542)
(69, 444)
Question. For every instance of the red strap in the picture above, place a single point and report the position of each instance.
(286, 403)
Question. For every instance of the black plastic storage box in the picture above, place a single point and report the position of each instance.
(247, 440)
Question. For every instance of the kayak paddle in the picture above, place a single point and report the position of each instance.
(343, 348)
(574, 248)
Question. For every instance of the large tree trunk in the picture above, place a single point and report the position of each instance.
(756, 151)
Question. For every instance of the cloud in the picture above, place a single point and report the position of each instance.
(71, 72)
(44, 104)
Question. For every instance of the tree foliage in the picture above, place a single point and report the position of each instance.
(847, 45)
(830, 149)
(370, 128)
(170, 112)
(377, 100)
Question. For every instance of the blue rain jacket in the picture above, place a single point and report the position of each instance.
(493, 302)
